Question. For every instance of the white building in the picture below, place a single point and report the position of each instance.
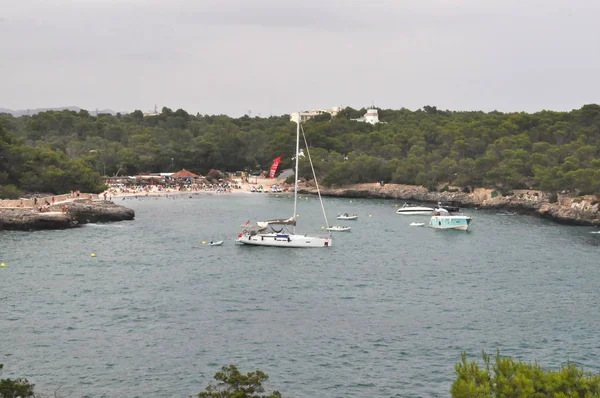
(370, 117)
(307, 115)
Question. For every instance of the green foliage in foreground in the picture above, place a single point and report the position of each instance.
(10, 388)
(233, 384)
(503, 377)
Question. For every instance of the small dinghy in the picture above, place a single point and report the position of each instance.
(219, 243)
(347, 216)
(417, 224)
(338, 228)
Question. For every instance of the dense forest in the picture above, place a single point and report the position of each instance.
(548, 150)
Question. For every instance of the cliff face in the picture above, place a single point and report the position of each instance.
(98, 211)
(26, 219)
(80, 212)
(578, 211)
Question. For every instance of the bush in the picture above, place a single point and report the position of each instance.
(10, 388)
(10, 192)
(214, 175)
(507, 378)
(233, 384)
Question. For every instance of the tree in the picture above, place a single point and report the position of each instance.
(13, 388)
(508, 378)
(233, 384)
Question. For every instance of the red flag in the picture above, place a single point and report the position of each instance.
(274, 167)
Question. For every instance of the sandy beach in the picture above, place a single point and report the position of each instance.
(245, 188)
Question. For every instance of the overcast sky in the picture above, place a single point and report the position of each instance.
(278, 56)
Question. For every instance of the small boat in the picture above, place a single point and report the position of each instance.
(441, 219)
(417, 224)
(347, 216)
(218, 243)
(451, 207)
(410, 209)
(338, 228)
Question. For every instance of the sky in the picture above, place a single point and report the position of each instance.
(272, 57)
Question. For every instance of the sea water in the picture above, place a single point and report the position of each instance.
(385, 312)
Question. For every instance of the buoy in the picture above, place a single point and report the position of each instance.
(203, 242)
(369, 215)
(350, 201)
(321, 228)
(306, 198)
(2, 265)
(297, 215)
(395, 205)
(276, 196)
(92, 255)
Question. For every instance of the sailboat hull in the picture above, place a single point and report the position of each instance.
(285, 240)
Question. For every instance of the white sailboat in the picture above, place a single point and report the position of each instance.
(282, 233)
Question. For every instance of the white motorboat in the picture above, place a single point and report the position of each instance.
(417, 224)
(347, 216)
(282, 233)
(338, 228)
(410, 209)
(218, 243)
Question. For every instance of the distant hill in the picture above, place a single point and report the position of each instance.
(21, 112)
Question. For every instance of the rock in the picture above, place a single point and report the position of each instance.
(567, 211)
(98, 211)
(80, 212)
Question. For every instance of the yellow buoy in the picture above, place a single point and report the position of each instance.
(276, 196)
(395, 205)
(350, 201)
(306, 198)
(321, 228)
(369, 215)
(297, 215)
(203, 242)
(92, 255)
(2, 265)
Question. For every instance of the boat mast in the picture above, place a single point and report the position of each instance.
(296, 172)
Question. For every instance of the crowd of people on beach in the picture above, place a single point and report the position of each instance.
(142, 189)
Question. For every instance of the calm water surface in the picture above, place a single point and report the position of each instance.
(385, 312)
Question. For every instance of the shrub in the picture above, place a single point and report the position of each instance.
(233, 384)
(10, 192)
(505, 377)
(12, 388)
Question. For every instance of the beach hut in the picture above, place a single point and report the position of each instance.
(184, 176)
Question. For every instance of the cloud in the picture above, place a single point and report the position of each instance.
(274, 56)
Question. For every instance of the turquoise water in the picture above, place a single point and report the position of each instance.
(385, 312)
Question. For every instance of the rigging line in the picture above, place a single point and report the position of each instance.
(315, 176)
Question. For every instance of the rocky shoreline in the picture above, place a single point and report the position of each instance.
(81, 211)
(565, 209)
